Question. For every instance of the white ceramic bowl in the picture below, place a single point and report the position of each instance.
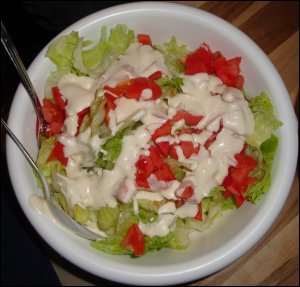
(234, 234)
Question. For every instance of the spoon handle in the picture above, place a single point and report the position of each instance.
(16, 60)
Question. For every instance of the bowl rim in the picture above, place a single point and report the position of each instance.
(192, 272)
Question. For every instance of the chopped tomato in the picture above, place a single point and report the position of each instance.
(156, 158)
(58, 98)
(54, 118)
(172, 150)
(164, 173)
(145, 168)
(187, 193)
(124, 84)
(188, 131)
(188, 148)
(156, 75)
(163, 148)
(118, 91)
(198, 216)
(135, 89)
(81, 115)
(134, 240)
(189, 119)
(58, 154)
(163, 130)
(199, 61)
(144, 39)
(238, 179)
(213, 137)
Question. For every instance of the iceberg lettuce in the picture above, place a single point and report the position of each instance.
(265, 121)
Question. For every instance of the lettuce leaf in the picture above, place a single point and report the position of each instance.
(265, 121)
(101, 56)
(60, 51)
(51, 167)
(265, 156)
(173, 53)
(113, 146)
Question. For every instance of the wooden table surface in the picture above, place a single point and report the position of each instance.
(274, 260)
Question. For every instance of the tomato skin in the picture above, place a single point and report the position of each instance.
(164, 173)
(58, 98)
(198, 216)
(238, 179)
(117, 91)
(163, 130)
(135, 89)
(144, 39)
(199, 61)
(156, 75)
(163, 148)
(134, 240)
(81, 115)
(58, 154)
(189, 119)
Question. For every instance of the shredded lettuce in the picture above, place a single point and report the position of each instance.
(60, 51)
(265, 156)
(51, 167)
(101, 56)
(173, 54)
(170, 87)
(113, 146)
(265, 121)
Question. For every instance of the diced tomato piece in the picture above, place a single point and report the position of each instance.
(164, 173)
(144, 39)
(198, 216)
(145, 168)
(239, 200)
(58, 154)
(199, 62)
(163, 130)
(53, 128)
(110, 101)
(124, 84)
(163, 148)
(239, 82)
(187, 193)
(137, 86)
(172, 151)
(188, 131)
(187, 148)
(58, 98)
(118, 91)
(134, 240)
(156, 75)
(81, 115)
(155, 157)
(51, 112)
(189, 119)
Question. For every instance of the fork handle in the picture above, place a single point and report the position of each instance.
(16, 60)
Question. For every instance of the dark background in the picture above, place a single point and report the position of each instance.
(31, 25)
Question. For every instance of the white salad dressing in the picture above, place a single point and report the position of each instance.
(79, 93)
(138, 61)
(206, 95)
(202, 94)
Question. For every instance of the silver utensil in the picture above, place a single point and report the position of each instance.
(16, 60)
(57, 212)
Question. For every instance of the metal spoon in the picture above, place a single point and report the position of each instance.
(57, 212)
(16, 60)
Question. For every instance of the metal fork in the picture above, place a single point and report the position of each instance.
(57, 212)
(16, 60)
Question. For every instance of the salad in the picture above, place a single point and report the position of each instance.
(146, 143)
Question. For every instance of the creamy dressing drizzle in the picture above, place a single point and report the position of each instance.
(202, 95)
(138, 61)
